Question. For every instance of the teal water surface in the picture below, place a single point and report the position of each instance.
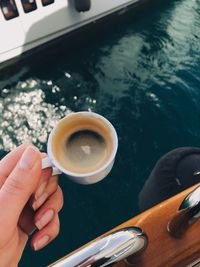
(142, 72)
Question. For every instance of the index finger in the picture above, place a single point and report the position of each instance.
(44, 179)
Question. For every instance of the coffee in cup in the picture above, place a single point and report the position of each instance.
(82, 145)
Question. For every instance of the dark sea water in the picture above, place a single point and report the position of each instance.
(141, 71)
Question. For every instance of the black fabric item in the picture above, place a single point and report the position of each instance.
(173, 173)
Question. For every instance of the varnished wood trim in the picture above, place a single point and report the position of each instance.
(163, 249)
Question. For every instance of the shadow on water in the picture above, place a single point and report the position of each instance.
(141, 71)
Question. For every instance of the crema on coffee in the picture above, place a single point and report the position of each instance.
(82, 145)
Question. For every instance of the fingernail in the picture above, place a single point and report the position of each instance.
(45, 219)
(41, 242)
(28, 158)
(36, 204)
(40, 190)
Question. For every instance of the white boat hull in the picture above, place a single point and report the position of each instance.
(30, 30)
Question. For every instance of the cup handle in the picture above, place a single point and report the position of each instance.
(46, 163)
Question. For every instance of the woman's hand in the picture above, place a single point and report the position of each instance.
(29, 198)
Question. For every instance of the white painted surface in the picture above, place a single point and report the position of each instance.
(30, 30)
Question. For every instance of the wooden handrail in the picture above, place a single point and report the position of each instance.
(163, 249)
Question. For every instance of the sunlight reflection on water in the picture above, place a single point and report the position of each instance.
(26, 117)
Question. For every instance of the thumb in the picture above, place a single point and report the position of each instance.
(20, 184)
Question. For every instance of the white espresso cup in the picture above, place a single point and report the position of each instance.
(83, 146)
